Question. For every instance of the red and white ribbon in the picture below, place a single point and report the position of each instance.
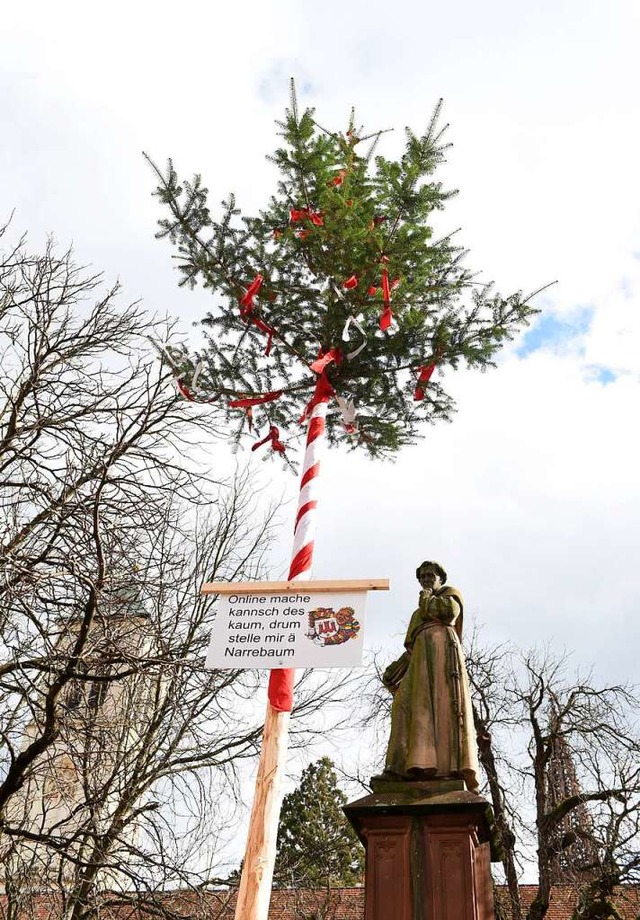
(322, 393)
(281, 680)
(323, 359)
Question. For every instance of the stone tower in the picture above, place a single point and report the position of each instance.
(72, 793)
(576, 851)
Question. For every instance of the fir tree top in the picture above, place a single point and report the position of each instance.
(317, 847)
(342, 256)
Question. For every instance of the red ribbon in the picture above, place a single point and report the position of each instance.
(268, 330)
(255, 400)
(322, 393)
(350, 283)
(184, 390)
(387, 315)
(246, 312)
(274, 437)
(323, 390)
(385, 287)
(393, 284)
(386, 318)
(339, 179)
(334, 354)
(306, 214)
(246, 302)
(423, 378)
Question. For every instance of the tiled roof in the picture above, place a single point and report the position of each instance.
(563, 899)
(305, 904)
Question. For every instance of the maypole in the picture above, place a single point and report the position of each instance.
(254, 891)
(338, 287)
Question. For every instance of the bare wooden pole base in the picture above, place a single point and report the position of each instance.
(254, 892)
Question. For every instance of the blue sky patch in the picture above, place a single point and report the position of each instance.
(551, 331)
(601, 374)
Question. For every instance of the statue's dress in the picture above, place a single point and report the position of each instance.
(431, 719)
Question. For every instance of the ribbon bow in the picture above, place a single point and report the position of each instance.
(274, 437)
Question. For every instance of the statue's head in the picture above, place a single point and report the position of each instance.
(431, 575)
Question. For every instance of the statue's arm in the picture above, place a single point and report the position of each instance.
(394, 673)
(445, 608)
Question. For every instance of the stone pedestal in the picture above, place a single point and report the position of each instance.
(429, 846)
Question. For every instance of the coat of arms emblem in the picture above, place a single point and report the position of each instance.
(332, 627)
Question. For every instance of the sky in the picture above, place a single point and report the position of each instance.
(531, 497)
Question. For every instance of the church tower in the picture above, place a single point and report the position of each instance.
(70, 800)
(575, 850)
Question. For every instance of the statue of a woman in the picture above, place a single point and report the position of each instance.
(432, 731)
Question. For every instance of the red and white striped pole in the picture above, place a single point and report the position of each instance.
(254, 892)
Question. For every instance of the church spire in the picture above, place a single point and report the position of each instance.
(575, 850)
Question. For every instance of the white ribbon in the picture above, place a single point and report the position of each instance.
(337, 291)
(348, 412)
(162, 351)
(196, 374)
(352, 321)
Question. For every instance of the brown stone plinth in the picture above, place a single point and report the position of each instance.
(429, 847)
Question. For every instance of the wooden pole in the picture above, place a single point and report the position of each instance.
(254, 892)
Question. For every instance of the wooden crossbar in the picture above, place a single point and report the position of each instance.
(296, 587)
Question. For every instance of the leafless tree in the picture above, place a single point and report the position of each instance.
(120, 755)
(89, 430)
(569, 747)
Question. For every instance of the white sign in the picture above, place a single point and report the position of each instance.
(292, 630)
